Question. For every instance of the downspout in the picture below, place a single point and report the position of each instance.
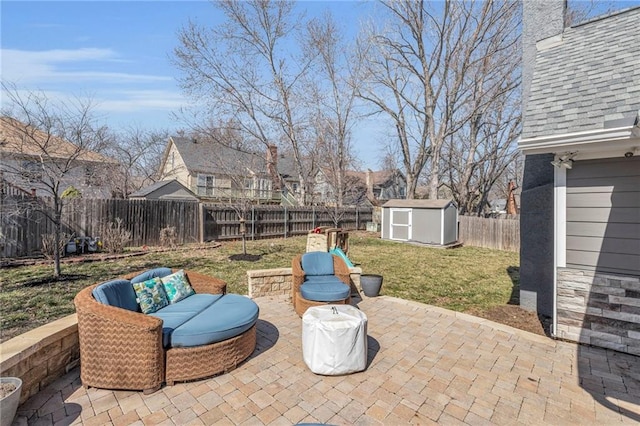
(559, 234)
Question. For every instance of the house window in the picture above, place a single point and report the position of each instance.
(91, 176)
(31, 171)
(205, 186)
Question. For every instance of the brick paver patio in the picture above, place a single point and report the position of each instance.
(427, 365)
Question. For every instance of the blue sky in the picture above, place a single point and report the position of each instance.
(115, 52)
(118, 54)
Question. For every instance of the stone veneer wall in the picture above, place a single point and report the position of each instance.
(42, 355)
(599, 309)
(273, 282)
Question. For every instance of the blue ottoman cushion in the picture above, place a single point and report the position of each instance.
(118, 293)
(173, 316)
(325, 291)
(230, 316)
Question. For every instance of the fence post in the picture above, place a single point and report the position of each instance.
(253, 223)
(201, 224)
(313, 217)
(357, 220)
(285, 221)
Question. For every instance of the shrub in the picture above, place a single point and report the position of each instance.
(168, 237)
(49, 242)
(115, 236)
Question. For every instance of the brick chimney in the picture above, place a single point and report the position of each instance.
(369, 183)
(272, 166)
(541, 20)
(542, 25)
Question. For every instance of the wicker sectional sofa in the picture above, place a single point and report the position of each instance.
(205, 334)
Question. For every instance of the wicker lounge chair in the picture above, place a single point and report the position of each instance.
(340, 274)
(122, 349)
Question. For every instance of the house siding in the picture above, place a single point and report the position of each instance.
(599, 309)
(603, 216)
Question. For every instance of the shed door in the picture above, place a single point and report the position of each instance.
(400, 224)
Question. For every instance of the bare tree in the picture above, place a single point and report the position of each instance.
(138, 153)
(422, 74)
(51, 147)
(244, 70)
(333, 95)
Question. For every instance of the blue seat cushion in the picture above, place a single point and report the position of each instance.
(173, 316)
(325, 291)
(150, 274)
(317, 263)
(230, 316)
(118, 293)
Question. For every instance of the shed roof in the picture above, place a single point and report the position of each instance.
(422, 204)
(588, 78)
(147, 190)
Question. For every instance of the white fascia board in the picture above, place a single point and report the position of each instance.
(592, 140)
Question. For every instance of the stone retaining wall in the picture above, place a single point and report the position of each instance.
(42, 355)
(599, 309)
(274, 282)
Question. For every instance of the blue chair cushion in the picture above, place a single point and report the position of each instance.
(173, 316)
(230, 316)
(150, 274)
(118, 293)
(325, 291)
(317, 263)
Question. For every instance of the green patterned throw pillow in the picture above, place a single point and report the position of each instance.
(177, 286)
(151, 295)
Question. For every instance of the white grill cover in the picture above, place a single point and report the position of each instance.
(334, 339)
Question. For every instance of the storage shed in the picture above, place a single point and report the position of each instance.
(422, 221)
(165, 190)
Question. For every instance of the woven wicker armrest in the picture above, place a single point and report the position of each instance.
(206, 284)
(341, 270)
(297, 274)
(119, 349)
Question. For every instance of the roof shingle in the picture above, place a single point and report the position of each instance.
(591, 77)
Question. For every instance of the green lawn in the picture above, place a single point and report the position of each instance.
(463, 279)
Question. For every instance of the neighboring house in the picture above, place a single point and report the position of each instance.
(215, 172)
(361, 187)
(32, 160)
(580, 215)
(164, 190)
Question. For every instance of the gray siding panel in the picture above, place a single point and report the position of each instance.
(605, 184)
(450, 225)
(603, 215)
(432, 231)
(616, 245)
(604, 199)
(613, 230)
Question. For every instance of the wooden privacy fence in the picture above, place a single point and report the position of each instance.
(23, 221)
(501, 234)
(278, 221)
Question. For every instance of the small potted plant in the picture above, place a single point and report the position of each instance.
(10, 388)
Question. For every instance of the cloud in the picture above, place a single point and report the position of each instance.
(140, 100)
(46, 67)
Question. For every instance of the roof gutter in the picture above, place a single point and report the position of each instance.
(589, 141)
